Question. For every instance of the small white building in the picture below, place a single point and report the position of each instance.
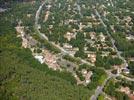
(88, 76)
(92, 35)
(70, 35)
(102, 37)
(39, 58)
(67, 46)
(126, 70)
(130, 37)
(92, 57)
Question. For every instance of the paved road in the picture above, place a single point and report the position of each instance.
(112, 40)
(79, 8)
(36, 21)
(112, 4)
(3, 10)
(99, 90)
(127, 78)
(63, 51)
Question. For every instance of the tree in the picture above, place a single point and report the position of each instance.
(115, 61)
(81, 54)
(79, 41)
(131, 67)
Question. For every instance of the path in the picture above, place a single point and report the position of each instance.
(63, 51)
(99, 90)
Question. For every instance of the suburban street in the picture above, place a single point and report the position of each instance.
(63, 51)
(99, 89)
(36, 21)
(67, 49)
(112, 40)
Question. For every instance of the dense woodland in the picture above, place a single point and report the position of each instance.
(114, 85)
(23, 77)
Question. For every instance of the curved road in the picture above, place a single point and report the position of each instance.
(99, 89)
(46, 38)
(36, 21)
(112, 40)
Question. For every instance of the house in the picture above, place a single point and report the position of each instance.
(131, 96)
(102, 37)
(92, 57)
(74, 30)
(29, 15)
(85, 48)
(88, 76)
(32, 42)
(73, 50)
(51, 60)
(130, 37)
(67, 46)
(39, 58)
(105, 54)
(84, 72)
(2, 10)
(131, 59)
(69, 7)
(24, 43)
(70, 21)
(49, 6)
(74, 21)
(126, 90)
(46, 16)
(90, 25)
(81, 26)
(27, 40)
(38, 26)
(20, 30)
(83, 6)
(92, 35)
(70, 35)
(128, 19)
(50, 26)
(126, 70)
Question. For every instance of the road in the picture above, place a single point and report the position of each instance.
(63, 51)
(111, 3)
(127, 78)
(36, 21)
(79, 8)
(3, 10)
(99, 90)
(112, 40)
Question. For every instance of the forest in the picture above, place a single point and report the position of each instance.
(23, 77)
